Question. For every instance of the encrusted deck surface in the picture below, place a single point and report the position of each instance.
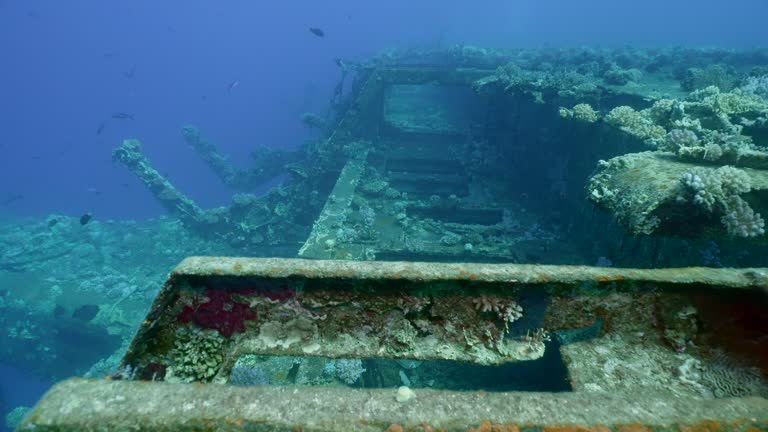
(516, 274)
(80, 405)
(213, 310)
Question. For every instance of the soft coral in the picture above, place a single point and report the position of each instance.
(220, 312)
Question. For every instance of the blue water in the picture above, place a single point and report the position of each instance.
(19, 388)
(67, 66)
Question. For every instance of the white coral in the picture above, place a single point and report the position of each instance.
(757, 86)
(733, 181)
(349, 370)
(506, 309)
(636, 123)
(718, 191)
(704, 187)
(711, 187)
(740, 220)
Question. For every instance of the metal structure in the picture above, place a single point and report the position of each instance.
(439, 163)
(416, 311)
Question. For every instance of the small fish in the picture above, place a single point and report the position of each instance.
(232, 85)
(130, 73)
(100, 129)
(84, 219)
(317, 31)
(86, 312)
(64, 150)
(94, 191)
(12, 199)
(122, 116)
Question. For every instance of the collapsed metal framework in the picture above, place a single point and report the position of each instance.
(341, 309)
(407, 174)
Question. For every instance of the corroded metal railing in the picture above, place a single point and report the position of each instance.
(211, 311)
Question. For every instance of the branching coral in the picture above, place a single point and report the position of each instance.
(757, 86)
(507, 310)
(563, 83)
(636, 123)
(740, 220)
(705, 127)
(348, 370)
(581, 112)
(196, 355)
(678, 138)
(717, 191)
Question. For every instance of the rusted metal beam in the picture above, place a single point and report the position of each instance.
(175, 202)
(517, 275)
(83, 406)
(397, 310)
(214, 310)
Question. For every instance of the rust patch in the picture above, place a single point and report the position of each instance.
(576, 428)
(487, 426)
(705, 426)
(635, 427)
(609, 278)
(237, 267)
(466, 275)
(234, 422)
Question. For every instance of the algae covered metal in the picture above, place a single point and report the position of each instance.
(79, 405)
(213, 311)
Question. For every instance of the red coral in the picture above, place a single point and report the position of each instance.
(220, 312)
(279, 294)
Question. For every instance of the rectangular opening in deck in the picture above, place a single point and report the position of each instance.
(437, 109)
(547, 374)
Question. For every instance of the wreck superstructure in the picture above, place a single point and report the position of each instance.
(477, 155)
(490, 163)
